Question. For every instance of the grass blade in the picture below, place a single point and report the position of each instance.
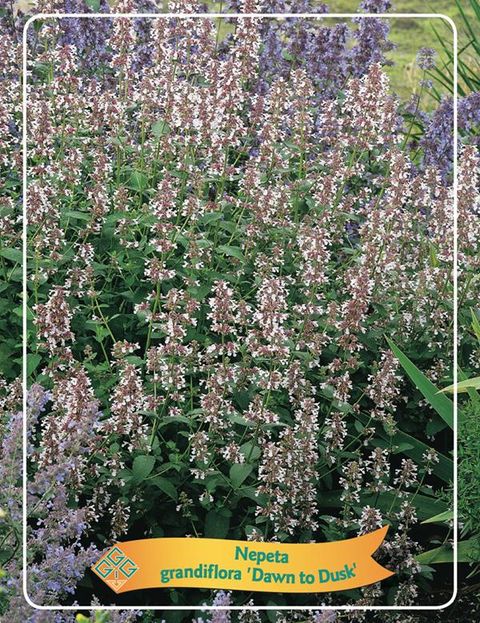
(442, 405)
(463, 386)
(415, 449)
(444, 517)
(468, 551)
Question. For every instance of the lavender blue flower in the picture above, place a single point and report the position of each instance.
(469, 116)
(371, 38)
(87, 35)
(37, 399)
(437, 142)
(375, 6)
(426, 58)
(222, 598)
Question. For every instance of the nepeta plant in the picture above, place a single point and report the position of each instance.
(217, 247)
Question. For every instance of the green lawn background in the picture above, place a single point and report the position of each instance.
(410, 34)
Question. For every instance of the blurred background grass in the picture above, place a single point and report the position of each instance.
(411, 34)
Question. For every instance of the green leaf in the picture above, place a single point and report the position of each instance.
(216, 525)
(101, 333)
(473, 394)
(142, 466)
(433, 256)
(134, 359)
(238, 419)
(14, 255)
(444, 517)
(83, 216)
(475, 324)
(442, 405)
(443, 469)
(210, 217)
(242, 398)
(424, 504)
(174, 419)
(33, 361)
(251, 493)
(166, 486)
(463, 386)
(238, 473)
(402, 447)
(250, 451)
(200, 292)
(160, 128)
(286, 55)
(137, 181)
(467, 552)
(232, 251)
(434, 426)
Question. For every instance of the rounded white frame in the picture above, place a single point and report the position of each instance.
(317, 16)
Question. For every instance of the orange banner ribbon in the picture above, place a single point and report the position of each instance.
(243, 565)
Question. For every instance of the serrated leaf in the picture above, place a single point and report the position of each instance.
(14, 255)
(142, 467)
(250, 451)
(83, 216)
(33, 361)
(231, 251)
(210, 217)
(133, 359)
(216, 525)
(166, 486)
(174, 419)
(242, 398)
(239, 472)
(137, 181)
(200, 292)
(160, 128)
(238, 419)
(252, 494)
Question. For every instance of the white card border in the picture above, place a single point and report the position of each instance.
(318, 16)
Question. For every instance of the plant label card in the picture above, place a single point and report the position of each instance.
(240, 291)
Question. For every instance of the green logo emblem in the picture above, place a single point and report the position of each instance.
(115, 568)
